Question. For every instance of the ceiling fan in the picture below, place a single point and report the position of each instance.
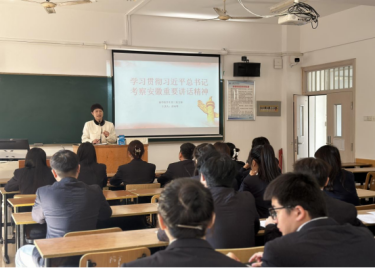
(50, 6)
(224, 16)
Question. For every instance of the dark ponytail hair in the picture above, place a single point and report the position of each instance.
(187, 208)
(36, 159)
(86, 154)
(331, 155)
(233, 150)
(264, 156)
(136, 149)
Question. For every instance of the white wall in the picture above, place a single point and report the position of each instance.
(183, 33)
(347, 35)
(97, 27)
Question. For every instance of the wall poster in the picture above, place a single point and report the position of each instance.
(241, 100)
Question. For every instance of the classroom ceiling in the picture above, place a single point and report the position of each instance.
(197, 9)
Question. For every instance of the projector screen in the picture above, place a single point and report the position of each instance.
(164, 95)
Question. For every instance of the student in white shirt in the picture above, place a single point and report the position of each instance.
(98, 130)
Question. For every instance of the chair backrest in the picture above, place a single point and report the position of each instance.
(24, 195)
(155, 198)
(365, 207)
(142, 186)
(21, 163)
(370, 182)
(113, 258)
(243, 254)
(99, 231)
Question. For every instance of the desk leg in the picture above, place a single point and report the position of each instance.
(47, 262)
(18, 234)
(6, 257)
(1, 218)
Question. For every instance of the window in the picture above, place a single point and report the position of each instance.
(330, 79)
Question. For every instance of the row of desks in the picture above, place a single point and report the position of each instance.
(16, 203)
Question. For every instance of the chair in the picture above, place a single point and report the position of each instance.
(365, 207)
(370, 182)
(99, 231)
(243, 254)
(142, 186)
(155, 198)
(113, 258)
(24, 195)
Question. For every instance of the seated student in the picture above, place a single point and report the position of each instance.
(263, 170)
(341, 184)
(234, 153)
(309, 237)
(244, 171)
(66, 206)
(35, 174)
(137, 171)
(237, 220)
(91, 172)
(181, 169)
(200, 150)
(186, 211)
(338, 210)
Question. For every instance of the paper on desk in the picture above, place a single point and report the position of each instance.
(367, 218)
(372, 212)
(263, 224)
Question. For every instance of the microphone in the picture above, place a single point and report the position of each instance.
(101, 132)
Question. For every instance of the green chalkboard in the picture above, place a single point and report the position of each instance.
(50, 109)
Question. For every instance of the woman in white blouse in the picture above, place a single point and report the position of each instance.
(98, 130)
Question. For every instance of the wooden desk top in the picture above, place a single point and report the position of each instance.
(361, 170)
(116, 195)
(355, 164)
(80, 245)
(4, 180)
(365, 193)
(25, 218)
(109, 195)
(158, 173)
(147, 192)
(3, 192)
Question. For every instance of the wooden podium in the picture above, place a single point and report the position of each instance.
(113, 155)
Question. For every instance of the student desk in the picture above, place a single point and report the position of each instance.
(3, 200)
(361, 212)
(25, 218)
(365, 193)
(16, 203)
(80, 245)
(355, 165)
(360, 173)
(146, 192)
(158, 173)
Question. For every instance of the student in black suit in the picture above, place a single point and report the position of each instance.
(237, 220)
(338, 210)
(66, 206)
(137, 171)
(234, 154)
(181, 169)
(91, 172)
(245, 170)
(35, 174)
(263, 170)
(310, 238)
(186, 211)
(200, 150)
(341, 184)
